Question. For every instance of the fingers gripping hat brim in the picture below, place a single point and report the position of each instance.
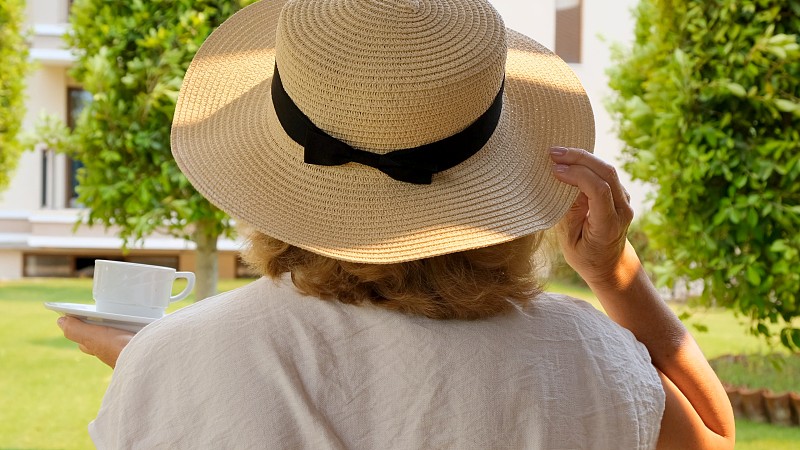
(228, 142)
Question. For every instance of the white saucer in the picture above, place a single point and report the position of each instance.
(89, 314)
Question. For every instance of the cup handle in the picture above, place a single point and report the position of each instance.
(189, 286)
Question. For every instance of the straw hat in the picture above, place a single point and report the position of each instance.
(398, 130)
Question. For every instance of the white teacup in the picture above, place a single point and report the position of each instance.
(136, 289)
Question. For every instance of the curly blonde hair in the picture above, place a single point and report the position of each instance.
(466, 285)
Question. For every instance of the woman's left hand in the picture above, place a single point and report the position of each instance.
(105, 343)
(596, 226)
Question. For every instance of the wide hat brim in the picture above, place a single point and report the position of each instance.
(228, 142)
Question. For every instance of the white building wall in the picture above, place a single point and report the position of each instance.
(47, 11)
(45, 92)
(533, 18)
(10, 265)
(24, 191)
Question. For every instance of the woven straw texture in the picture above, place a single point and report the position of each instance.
(379, 75)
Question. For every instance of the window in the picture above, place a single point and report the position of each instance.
(55, 265)
(164, 261)
(45, 176)
(48, 266)
(568, 29)
(49, 164)
(77, 99)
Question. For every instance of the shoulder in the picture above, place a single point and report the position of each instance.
(205, 332)
(570, 312)
(612, 367)
(603, 346)
(580, 320)
(217, 311)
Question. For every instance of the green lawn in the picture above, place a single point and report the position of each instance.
(726, 334)
(49, 390)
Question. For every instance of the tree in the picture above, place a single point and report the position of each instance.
(708, 104)
(132, 55)
(13, 70)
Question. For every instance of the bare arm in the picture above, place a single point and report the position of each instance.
(697, 413)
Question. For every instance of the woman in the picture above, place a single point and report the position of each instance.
(397, 162)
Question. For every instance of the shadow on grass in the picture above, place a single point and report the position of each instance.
(58, 342)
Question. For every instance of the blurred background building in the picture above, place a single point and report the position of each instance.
(38, 211)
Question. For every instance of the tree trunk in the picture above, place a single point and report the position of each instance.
(206, 270)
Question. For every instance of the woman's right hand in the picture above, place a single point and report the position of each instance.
(594, 231)
(105, 343)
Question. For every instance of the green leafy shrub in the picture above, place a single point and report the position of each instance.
(708, 104)
(13, 70)
(650, 256)
(132, 56)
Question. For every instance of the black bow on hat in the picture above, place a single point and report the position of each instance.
(411, 165)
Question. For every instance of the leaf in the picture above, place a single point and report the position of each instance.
(735, 89)
(778, 51)
(778, 246)
(787, 106)
(795, 335)
(785, 338)
(753, 276)
(780, 267)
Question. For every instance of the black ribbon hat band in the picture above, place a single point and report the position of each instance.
(411, 165)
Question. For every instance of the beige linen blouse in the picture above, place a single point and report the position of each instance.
(263, 367)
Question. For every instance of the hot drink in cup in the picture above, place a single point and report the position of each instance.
(136, 289)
